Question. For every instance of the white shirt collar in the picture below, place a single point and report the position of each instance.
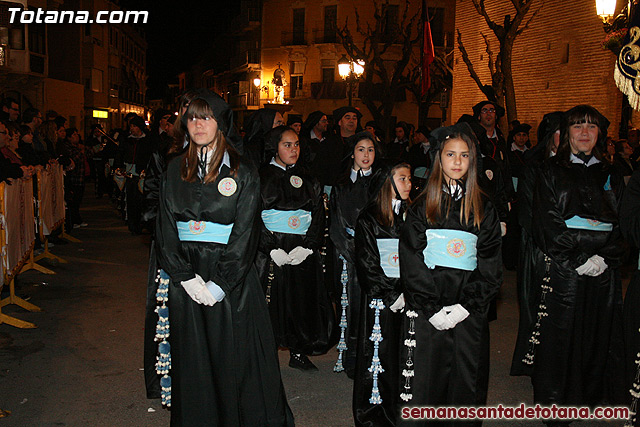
(576, 159)
(452, 189)
(225, 160)
(354, 174)
(494, 135)
(395, 203)
(276, 164)
(515, 147)
(314, 136)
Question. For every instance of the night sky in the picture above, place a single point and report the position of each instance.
(178, 33)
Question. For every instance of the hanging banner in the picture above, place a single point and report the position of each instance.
(627, 69)
(51, 203)
(19, 223)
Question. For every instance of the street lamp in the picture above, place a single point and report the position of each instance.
(605, 9)
(350, 71)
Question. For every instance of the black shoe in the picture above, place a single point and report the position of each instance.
(301, 362)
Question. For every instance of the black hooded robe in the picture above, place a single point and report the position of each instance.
(225, 368)
(630, 227)
(374, 284)
(451, 367)
(302, 314)
(346, 202)
(576, 360)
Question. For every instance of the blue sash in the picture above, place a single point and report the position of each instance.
(421, 172)
(130, 168)
(327, 190)
(514, 179)
(451, 248)
(289, 222)
(204, 231)
(389, 259)
(587, 224)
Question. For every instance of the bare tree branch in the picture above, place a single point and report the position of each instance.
(465, 58)
(520, 31)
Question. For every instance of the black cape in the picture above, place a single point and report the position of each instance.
(451, 367)
(301, 313)
(374, 284)
(224, 358)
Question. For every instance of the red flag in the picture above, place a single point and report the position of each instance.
(428, 52)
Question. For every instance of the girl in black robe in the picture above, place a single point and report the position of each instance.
(630, 227)
(575, 347)
(375, 390)
(224, 365)
(451, 268)
(288, 258)
(347, 200)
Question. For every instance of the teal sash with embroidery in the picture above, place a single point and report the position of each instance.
(451, 248)
(204, 231)
(389, 259)
(289, 222)
(579, 223)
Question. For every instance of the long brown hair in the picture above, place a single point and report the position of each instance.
(472, 199)
(578, 115)
(199, 108)
(384, 199)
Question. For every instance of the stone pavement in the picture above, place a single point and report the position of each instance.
(82, 366)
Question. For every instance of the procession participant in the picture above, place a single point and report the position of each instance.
(375, 390)
(224, 364)
(288, 258)
(450, 266)
(575, 342)
(260, 122)
(347, 200)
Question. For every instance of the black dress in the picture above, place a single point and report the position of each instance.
(577, 356)
(451, 367)
(347, 200)
(376, 286)
(630, 227)
(224, 358)
(301, 313)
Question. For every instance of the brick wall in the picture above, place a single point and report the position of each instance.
(558, 61)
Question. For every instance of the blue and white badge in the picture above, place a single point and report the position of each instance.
(227, 187)
(296, 181)
(389, 257)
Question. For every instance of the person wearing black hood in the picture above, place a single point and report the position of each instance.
(224, 362)
(419, 158)
(450, 266)
(347, 200)
(531, 264)
(288, 258)
(132, 159)
(295, 123)
(328, 154)
(375, 389)
(260, 122)
(575, 347)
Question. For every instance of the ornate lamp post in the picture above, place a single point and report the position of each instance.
(350, 71)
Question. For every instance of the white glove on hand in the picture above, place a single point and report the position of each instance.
(398, 305)
(205, 297)
(280, 257)
(440, 321)
(503, 229)
(594, 266)
(456, 313)
(194, 287)
(599, 261)
(299, 254)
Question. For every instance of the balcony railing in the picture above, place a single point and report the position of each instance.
(242, 100)
(294, 38)
(334, 90)
(325, 36)
(247, 19)
(251, 56)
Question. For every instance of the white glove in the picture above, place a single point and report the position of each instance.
(398, 305)
(194, 287)
(299, 254)
(456, 313)
(205, 297)
(503, 228)
(440, 321)
(599, 261)
(280, 257)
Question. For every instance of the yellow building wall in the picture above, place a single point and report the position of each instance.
(558, 62)
(67, 99)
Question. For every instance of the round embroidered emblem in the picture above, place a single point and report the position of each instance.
(394, 259)
(197, 227)
(593, 222)
(456, 248)
(489, 174)
(295, 181)
(227, 187)
(293, 222)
